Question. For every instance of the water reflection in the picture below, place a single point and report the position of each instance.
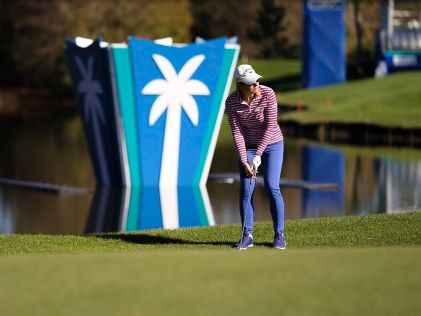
(368, 184)
(323, 165)
(107, 210)
(375, 181)
(121, 209)
(398, 186)
(32, 212)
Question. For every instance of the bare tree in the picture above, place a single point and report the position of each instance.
(270, 30)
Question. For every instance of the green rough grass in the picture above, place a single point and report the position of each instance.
(348, 231)
(393, 101)
(333, 266)
(273, 69)
(280, 74)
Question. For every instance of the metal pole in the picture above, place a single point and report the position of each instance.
(390, 14)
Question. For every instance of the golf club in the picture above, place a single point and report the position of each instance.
(245, 210)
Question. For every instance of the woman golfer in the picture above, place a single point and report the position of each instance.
(252, 111)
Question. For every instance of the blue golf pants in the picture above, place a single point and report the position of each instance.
(271, 167)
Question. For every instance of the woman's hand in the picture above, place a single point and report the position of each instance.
(248, 170)
(257, 161)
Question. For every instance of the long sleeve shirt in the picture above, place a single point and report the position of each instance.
(254, 125)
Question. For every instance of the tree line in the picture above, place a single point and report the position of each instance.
(32, 32)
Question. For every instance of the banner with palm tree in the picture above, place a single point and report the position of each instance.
(152, 114)
(90, 72)
(179, 92)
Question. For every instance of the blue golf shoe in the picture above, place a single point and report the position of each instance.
(279, 241)
(245, 242)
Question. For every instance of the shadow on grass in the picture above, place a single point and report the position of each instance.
(145, 239)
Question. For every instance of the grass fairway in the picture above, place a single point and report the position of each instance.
(346, 266)
(378, 281)
(280, 74)
(391, 101)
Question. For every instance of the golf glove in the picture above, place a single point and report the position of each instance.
(256, 163)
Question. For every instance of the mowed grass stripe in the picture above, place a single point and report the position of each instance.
(348, 231)
(392, 101)
(327, 281)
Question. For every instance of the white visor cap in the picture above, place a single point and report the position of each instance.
(246, 74)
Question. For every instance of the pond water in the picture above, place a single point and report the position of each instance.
(371, 180)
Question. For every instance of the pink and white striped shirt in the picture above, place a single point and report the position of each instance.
(254, 125)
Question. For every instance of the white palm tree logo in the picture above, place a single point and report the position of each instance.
(175, 93)
(92, 107)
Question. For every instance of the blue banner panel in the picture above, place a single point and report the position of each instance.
(402, 60)
(324, 43)
(124, 86)
(175, 93)
(323, 165)
(89, 69)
